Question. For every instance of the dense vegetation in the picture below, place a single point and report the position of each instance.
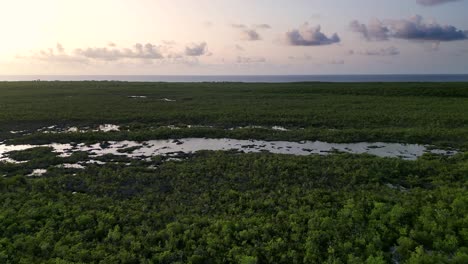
(413, 112)
(241, 208)
(231, 207)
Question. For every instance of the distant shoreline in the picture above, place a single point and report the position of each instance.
(246, 78)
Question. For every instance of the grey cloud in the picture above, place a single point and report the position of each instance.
(60, 48)
(262, 26)
(434, 2)
(148, 53)
(414, 28)
(174, 56)
(356, 26)
(56, 55)
(257, 26)
(337, 62)
(310, 36)
(239, 48)
(390, 51)
(238, 26)
(169, 42)
(251, 35)
(196, 50)
(305, 57)
(57, 58)
(375, 30)
(139, 51)
(248, 60)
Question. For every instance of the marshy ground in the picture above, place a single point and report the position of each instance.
(109, 172)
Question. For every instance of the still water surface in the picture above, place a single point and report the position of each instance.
(170, 147)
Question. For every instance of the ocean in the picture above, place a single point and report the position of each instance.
(245, 78)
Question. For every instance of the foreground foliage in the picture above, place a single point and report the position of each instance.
(221, 207)
(227, 207)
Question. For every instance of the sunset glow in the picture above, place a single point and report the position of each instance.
(233, 37)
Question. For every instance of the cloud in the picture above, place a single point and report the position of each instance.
(238, 26)
(414, 28)
(257, 26)
(309, 36)
(60, 48)
(57, 55)
(434, 2)
(138, 51)
(196, 50)
(262, 26)
(239, 48)
(148, 53)
(169, 43)
(250, 33)
(337, 62)
(248, 60)
(304, 57)
(390, 51)
(375, 30)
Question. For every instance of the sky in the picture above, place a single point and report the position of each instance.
(233, 37)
